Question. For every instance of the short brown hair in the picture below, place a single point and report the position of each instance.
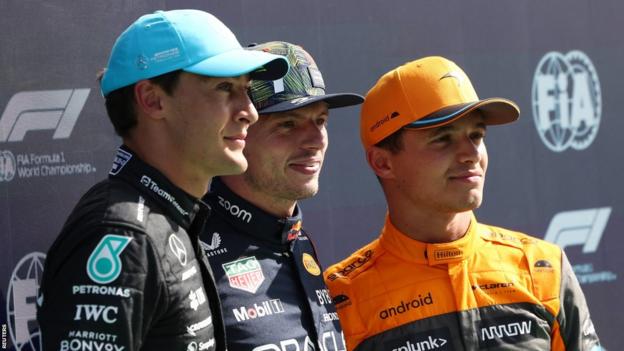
(120, 102)
(393, 142)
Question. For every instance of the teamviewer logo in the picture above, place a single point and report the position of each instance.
(57, 110)
(579, 227)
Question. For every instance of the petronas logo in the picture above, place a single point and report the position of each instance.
(104, 264)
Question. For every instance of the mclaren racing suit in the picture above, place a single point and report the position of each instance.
(127, 273)
(271, 286)
(493, 289)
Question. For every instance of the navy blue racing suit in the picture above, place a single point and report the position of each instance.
(269, 280)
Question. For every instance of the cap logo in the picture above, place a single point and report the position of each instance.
(454, 74)
(316, 77)
(141, 62)
(278, 86)
(300, 100)
(166, 55)
(383, 120)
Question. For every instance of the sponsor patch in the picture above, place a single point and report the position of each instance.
(193, 328)
(498, 332)
(264, 309)
(104, 265)
(406, 306)
(121, 158)
(177, 248)
(294, 231)
(244, 274)
(357, 263)
(310, 264)
(450, 254)
(435, 339)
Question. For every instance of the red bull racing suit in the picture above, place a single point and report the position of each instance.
(493, 289)
(269, 280)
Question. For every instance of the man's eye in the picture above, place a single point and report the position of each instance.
(477, 136)
(225, 86)
(321, 122)
(442, 139)
(287, 124)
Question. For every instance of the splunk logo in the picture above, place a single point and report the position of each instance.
(567, 102)
(433, 339)
(56, 110)
(579, 227)
(406, 306)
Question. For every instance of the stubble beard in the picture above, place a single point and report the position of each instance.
(277, 190)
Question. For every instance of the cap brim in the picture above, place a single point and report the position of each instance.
(260, 65)
(332, 100)
(495, 111)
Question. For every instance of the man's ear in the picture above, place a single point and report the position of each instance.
(380, 160)
(148, 98)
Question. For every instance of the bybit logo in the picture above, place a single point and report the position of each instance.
(56, 110)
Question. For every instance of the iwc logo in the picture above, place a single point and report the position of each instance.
(567, 103)
(21, 302)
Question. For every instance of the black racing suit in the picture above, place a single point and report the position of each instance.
(271, 286)
(127, 273)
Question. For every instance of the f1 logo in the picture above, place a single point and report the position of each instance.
(579, 227)
(41, 110)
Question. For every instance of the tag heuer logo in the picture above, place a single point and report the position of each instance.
(244, 274)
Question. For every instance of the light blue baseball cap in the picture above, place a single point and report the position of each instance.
(191, 40)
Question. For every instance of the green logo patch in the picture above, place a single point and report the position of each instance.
(104, 264)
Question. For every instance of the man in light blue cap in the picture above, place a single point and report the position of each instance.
(126, 272)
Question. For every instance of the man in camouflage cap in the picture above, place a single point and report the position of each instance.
(267, 272)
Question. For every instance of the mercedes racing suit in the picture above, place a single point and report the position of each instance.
(493, 289)
(271, 286)
(127, 273)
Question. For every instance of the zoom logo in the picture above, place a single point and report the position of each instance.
(567, 103)
(579, 227)
(56, 110)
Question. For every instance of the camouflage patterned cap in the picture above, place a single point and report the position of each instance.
(301, 86)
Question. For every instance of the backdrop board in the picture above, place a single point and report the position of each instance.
(556, 173)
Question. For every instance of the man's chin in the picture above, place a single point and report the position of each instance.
(237, 164)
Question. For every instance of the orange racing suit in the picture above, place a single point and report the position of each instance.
(493, 289)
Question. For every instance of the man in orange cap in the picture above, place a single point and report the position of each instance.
(436, 279)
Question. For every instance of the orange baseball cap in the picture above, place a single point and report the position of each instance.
(425, 93)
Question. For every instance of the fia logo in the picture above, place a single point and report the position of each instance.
(8, 166)
(104, 265)
(579, 227)
(40, 110)
(21, 302)
(567, 102)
